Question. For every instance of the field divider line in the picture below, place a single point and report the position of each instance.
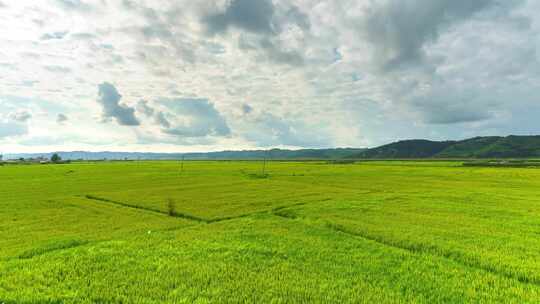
(433, 252)
(269, 211)
(189, 216)
(127, 205)
(63, 245)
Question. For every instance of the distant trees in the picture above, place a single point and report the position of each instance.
(56, 158)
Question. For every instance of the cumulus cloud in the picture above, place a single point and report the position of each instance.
(272, 130)
(53, 36)
(246, 109)
(144, 108)
(11, 129)
(267, 129)
(20, 116)
(277, 54)
(74, 5)
(129, 4)
(298, 73)
(400, 29)
(29, 83)
(158, 117)
(162, 120)
(15, 124)
(109, 99)
(57, 69)
(452, 109)
(192, 118)
(83, 36)
(162, 34)
(250, 15)
(263, 24)
(61, 118)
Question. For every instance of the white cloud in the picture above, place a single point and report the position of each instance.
(191, 118)
(11, 128)
(266, 73)
(20, 116)
(61, 119)
(109, 99)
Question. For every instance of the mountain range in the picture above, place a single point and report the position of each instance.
(478, 147)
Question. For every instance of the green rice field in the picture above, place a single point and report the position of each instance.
(302, 232)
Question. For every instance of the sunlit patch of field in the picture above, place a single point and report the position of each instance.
(150, 232)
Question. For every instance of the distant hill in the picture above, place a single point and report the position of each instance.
(233, 155)
(495, 147)
(478, 147)
(417, 148)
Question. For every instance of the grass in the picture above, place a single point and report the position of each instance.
(372, 232)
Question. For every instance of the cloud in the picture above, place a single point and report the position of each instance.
(61, 119)
(29, 83)
(267, 129)
(20, 116)
(11, 129)
(271, 49)
(278, 55)
(54, 36)
(263, 24)
(158, 117)
(246, 109)
(161, 33)
(129, 4)
(57, 69)
(83, 36)
(75, 5)
(109, 99)
(446, 104)
(162, 120)
(400, 30)
(296, 16)
(452, 112)
(144, 108)
(249, 15)
(8, 66)
(192, 118)
(297, 73)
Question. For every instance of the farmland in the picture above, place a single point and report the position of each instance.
(221, 231)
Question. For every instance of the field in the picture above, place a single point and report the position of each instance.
(310, 232)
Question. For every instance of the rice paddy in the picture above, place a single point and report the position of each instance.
(316, 232)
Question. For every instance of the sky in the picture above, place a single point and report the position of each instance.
(184, 76)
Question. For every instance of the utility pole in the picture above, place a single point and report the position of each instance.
(264, 163)
(182, 165)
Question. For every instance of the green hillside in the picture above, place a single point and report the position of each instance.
(478, 147)
(500, 147)
(474, 147)
(406, 149)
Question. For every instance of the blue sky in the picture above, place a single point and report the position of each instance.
(173, 76)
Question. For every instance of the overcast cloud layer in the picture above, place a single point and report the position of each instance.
(241, 74)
